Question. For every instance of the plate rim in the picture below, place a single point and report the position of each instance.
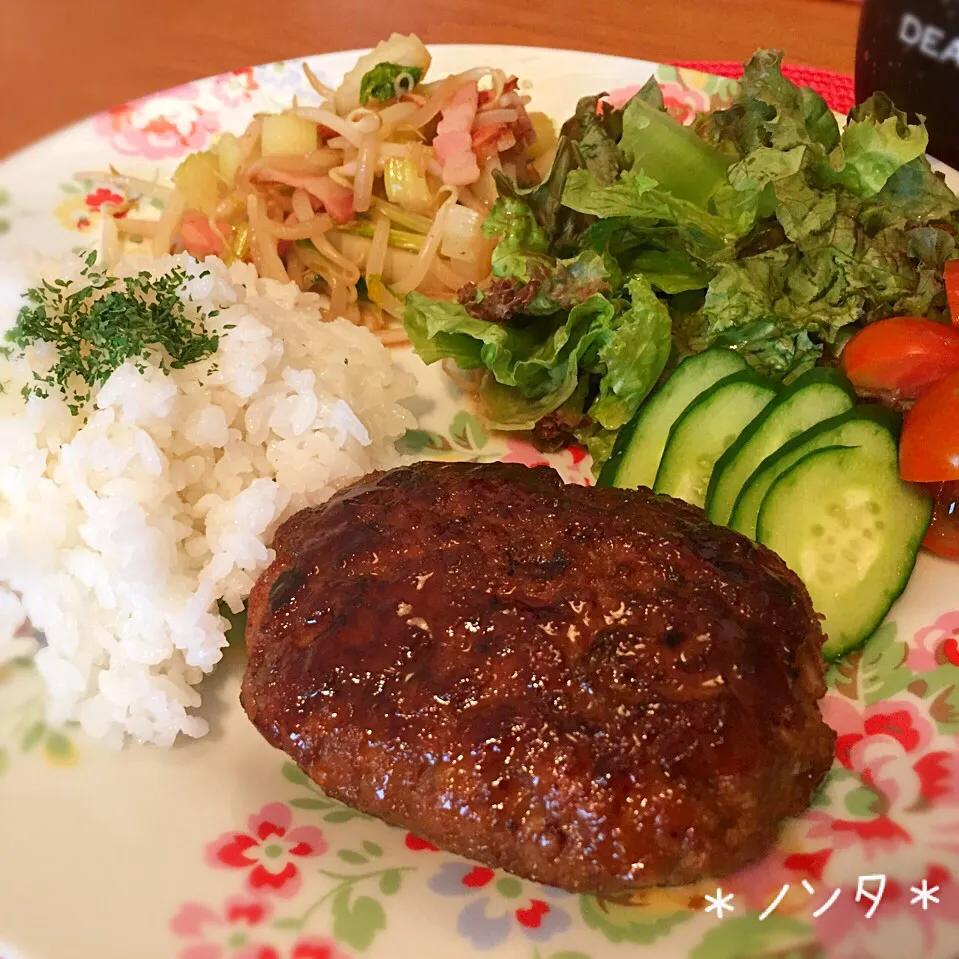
(521, 49)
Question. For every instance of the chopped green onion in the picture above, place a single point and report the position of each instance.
(412, 221)
(400, 239)
(380, 82)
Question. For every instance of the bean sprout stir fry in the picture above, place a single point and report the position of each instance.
(380, 189)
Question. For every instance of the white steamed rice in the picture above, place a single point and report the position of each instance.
(118, 537)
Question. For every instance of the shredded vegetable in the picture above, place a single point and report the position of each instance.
(386, 179)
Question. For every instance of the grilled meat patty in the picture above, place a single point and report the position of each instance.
(593, 688)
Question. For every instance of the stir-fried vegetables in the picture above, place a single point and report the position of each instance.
(285, 135)
(386, 181)
(396, 51)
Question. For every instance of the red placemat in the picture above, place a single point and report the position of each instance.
(837, 89)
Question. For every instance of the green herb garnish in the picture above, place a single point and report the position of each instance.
(380, 82)
(102, 324)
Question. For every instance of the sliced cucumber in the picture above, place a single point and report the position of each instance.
(845, 523)
(640, 444)
(873, 428)
(705, 430)
(814, 397)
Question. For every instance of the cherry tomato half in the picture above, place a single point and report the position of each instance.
(943, 534)
(929, 447)
(901, 357)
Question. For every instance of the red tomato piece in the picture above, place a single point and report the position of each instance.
(929, 447)
(943, 535)
(902, 357)
(950, 276)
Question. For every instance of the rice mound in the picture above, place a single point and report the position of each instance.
(118, 536)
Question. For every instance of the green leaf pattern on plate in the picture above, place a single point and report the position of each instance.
(622, 922)
(749, 937)
(357, 920)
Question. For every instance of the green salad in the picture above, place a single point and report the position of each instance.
(763, 227)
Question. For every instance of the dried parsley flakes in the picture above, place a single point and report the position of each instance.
(105, 322)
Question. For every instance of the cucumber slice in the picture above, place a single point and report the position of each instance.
(845, 523)
(706, 429)
(871, 427)
(815, 396)
(640, 444)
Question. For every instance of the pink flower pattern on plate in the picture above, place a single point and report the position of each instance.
(235, 88)
(269, 851)
(498, 905)
(169, 124)
(571, 462)
(415, 844)
(846, 934)
(684, 102)
(889, 746)
(755, 886)
(935, 645)
(220, 933)
(315, 947)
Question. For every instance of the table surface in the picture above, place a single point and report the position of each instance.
(61, 60)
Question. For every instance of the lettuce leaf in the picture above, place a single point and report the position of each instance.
(850, 227)
(821, 125)
(670, 269)
(513, 224)
(764, 166)
(562, 226)
(638, 197)
(800, 208)
(658, 145)
(772, 112)
(633, 350)
(632, 195)
(782, 308)
(539, 360)
(588, 140)
(913, 194)
(878, 141)
(596, 128)
(520, 255)
(533, 369)
(599, 442)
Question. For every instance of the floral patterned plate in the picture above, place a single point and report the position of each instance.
(220, 849)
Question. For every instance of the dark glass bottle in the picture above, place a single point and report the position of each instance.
(909, 49)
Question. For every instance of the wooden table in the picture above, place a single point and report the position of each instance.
(62, 59)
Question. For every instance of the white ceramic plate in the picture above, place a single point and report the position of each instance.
(221, 848)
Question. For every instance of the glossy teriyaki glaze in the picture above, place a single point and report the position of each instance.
(594, 688)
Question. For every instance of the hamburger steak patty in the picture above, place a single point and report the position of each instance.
(594, 688)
